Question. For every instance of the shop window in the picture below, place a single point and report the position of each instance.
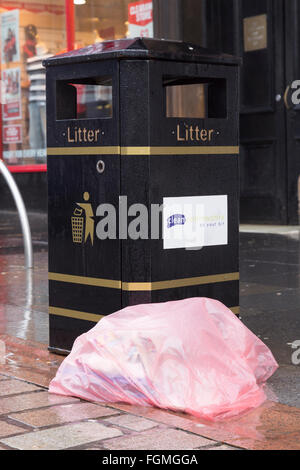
(195, 98)
(102, 20)
(30, 33)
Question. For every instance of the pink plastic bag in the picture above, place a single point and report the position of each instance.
(192, 355)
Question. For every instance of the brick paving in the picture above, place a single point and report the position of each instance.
(159, 439)
(134, 423)
(27, 401)
(31, 418)
(62, 414)
(12, 387)
(62, 437)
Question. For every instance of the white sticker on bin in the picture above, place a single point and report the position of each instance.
(195, 222)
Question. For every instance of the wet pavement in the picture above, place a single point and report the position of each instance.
(270, 302)
(32, 419)
(23, 293)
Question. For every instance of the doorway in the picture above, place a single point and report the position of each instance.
(266, 34)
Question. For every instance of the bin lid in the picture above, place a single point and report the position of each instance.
(143, 48)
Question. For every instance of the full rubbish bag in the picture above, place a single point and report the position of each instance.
(192, 355)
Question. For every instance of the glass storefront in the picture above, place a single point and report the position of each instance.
(33, 30)
(30, 32)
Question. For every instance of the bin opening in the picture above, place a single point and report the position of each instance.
(86, 98)
(195, 98)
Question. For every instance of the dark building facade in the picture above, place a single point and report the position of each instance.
(266, 34)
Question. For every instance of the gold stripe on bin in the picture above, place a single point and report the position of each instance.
(177, 283)
(65, 312)
(116, 150)
(83, 280)
(195, 150)
(144, 286)
(57, 151)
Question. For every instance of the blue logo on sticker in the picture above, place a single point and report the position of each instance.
(177, 219)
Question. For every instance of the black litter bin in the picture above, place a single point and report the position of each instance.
(142, 179)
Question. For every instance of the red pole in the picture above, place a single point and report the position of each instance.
(70, 24)
(1, 126)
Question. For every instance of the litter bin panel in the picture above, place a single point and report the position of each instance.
(83, 174)
(183, 158)
(135, 124)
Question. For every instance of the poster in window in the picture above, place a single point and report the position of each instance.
(10, 37)
(140, 19)
(11, 94)
(12, 134)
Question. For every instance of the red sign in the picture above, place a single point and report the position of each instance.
(140, 19)
(11, 110)
(12, 134)
(140, 13)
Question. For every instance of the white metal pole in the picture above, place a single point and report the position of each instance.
(22, 214)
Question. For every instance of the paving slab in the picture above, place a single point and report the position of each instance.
(158, 439)
(63, 437)
(12, 387)
(134, 423)
(31, 401)
(9, 429)
(62, 414)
